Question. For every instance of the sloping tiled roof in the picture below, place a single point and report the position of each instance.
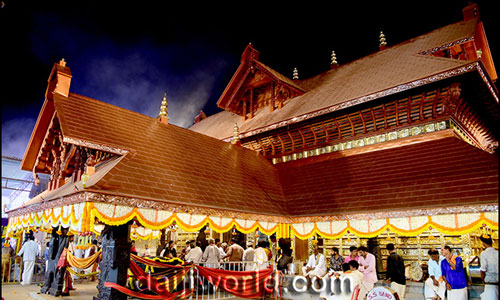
(383, 70)
(169, 163)
(438, 173)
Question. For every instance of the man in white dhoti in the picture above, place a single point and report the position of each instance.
(489, 269)
(316, 265)
(29, 251)
(434, 287)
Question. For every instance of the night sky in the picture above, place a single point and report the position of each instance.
(129, 54)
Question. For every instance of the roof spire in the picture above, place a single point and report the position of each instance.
(295, 74)
(163, 115)
(334, 64)
(236, 135)
(383, 43)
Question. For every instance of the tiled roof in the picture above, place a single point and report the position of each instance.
(438, 173)
(383, 70)
(169, 163)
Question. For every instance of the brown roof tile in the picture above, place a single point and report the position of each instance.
(444, 172)
(397, 65)
(170, 163)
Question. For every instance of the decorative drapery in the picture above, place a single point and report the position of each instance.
(409, 226)
(113, 214)
(81, 263)
(82, 217)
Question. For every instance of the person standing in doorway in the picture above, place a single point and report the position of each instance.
(489, 268)
(396, 272)
(453, 272)
(29, 251)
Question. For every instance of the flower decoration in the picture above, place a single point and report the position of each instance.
(134, 224)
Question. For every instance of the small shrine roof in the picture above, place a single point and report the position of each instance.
(368, 77)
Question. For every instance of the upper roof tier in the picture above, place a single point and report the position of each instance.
(407, 65)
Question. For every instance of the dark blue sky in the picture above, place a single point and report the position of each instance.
(130, 53)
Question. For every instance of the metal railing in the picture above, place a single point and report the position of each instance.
(15, 267)
(203, 289)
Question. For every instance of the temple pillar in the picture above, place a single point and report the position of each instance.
(54, 278)
(115, 261)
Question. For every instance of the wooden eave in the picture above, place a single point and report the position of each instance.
(486, 58)
(38, 135)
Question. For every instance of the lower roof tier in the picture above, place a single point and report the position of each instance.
(437, 173)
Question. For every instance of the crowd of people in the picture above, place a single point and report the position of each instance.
(360, 263)
(217, 254)
(446, 272)
(31, 250)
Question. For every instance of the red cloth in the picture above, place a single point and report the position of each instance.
(179, 295)
(157, 283)
(244, 284)
(153, 263)
(62, 262)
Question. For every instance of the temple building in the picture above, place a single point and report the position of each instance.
(400, 145)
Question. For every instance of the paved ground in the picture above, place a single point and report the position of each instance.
(21, 292)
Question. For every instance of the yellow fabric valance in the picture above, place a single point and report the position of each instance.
(82, 217)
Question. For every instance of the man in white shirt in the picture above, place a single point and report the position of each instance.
(316, 265)
(222, 253)
(260, 256)
(249, 255)
(29, 251)
(367, 267)
(489, 268)
(211, 256)
(195, 254)
(434, 287)
(355, 274)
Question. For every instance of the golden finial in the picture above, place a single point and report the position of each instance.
(62, 62)
(164, 107)
(334, 58)
(236, 134)
(295, 74)
(383, 43)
